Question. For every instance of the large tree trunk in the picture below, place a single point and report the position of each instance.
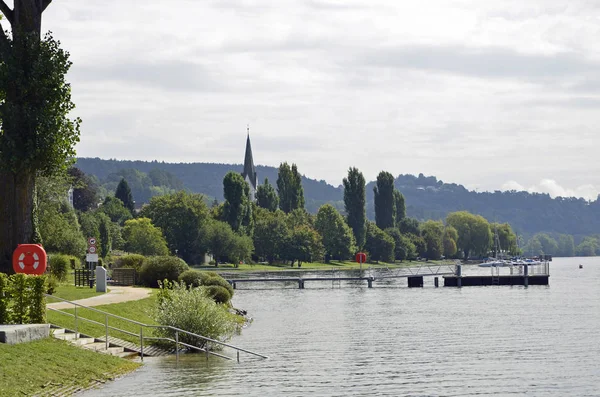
(16, 205)
(18, 187)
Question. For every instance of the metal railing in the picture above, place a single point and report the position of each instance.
(142, 337)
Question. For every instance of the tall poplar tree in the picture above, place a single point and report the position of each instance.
(385, 205)
(36, 136)
(237, 201)
(123, 193)
(399, 207)
(355, 203)
(289, 188)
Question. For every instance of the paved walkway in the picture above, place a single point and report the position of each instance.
(114, 295)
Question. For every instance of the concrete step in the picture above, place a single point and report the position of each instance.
(101, 348)
(82, 341)
(56, 331)
(67, 336)
(127, 354)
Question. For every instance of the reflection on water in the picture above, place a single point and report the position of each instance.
(392, 341)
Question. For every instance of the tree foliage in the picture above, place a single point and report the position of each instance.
(338, 240)
(142, 237)
(355, 205)
(474, 234)
(36, 136)
(85, 190)
(237, 211)
(399, 207)
(289, 188)
(123, 193)
(384, 201)
(266, 196)
(433, 234)
(180, 216)
(379, 245)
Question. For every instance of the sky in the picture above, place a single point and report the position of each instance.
(494, 94)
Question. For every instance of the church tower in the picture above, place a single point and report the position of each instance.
(249, 173)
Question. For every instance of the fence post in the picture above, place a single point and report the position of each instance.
(142, 342)
(106, 325)
(75, 319)
(177, 346)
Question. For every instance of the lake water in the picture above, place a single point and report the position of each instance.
(394, 341)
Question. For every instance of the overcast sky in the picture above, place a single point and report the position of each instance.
(494, 94)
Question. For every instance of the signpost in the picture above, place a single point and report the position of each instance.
(361, 258)
(92, 252)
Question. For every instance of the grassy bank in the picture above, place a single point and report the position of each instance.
(52, 366)
(139, 310)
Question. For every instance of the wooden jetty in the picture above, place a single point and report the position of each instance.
(299, 280)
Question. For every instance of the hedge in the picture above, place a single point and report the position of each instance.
(22, 299)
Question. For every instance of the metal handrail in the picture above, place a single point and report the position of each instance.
(176, 330)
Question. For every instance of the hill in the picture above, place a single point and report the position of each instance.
(426, 197)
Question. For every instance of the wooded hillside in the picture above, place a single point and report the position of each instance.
(426, 197)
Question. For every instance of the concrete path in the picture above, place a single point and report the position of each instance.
(114, 295)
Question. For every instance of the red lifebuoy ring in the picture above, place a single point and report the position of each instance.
(30, 259)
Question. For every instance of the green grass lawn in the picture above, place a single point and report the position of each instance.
(139, 310)
(70, 292)
(35, 367)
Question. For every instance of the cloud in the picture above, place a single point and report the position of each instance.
(554, 189)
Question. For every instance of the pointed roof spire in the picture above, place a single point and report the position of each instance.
(249, 169)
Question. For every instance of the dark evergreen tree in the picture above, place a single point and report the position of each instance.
(123, 193)
(289, 188)
(104, 230)
(266, 196)
(379, 245)
(355, 204)
(384, 201)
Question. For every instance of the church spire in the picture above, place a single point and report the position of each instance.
(249, 172)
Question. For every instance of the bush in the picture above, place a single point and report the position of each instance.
(133, 261)
(59, 266)
(218, 294)
(51, 285)
(218, 281)
(22, 299)
(157, 268)
(191, 278)
(194, 311)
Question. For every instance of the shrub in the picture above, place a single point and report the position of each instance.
(22, 299)
(52, 283)
(4, 298)
(191, 278)
(194, 311)
(161, 268)
(219, 281)
(218, 294)
(59, 266)
(132, 261)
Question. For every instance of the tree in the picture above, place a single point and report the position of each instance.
(266, 196)
(549, 245)
(566, 245)
(123, 193)
(449, 241)
(474, 234)
(142, 237)
(36, 136)
(237, 207)
(270, 234)
(588, 247)
(115, 210)
(379, 245)
(506, 238)
(409, 226)
(220, 239)
(399, 207)
(85, 190)
(289, 188)
(433, 234)
(384, 201)
(355, 205)
(105, 234)
(338, 240)
(304, 244)
(403, 246)
(181, 217)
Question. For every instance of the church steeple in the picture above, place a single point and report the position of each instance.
(249, 172)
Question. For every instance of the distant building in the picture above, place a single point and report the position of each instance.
(70, 196)
(249, 172)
